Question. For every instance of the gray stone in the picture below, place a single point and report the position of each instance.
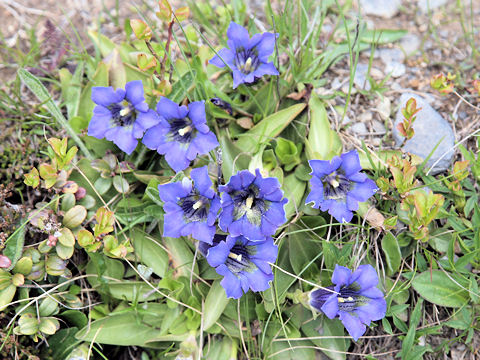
(383, 8)
(429, 5)
(359, 128)
(378, 127)
(430, 129)
(410, 43)
(395, 69)
(360, 79)
(389, 55)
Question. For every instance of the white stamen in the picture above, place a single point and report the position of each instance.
(184, 130)
(249, 202)
(334, 183)
(237, 257)
(248, 65)
(125, 111)
(197, 205)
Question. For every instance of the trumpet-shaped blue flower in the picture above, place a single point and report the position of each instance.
(357, 302)
(182, 133)
(338, 185)
(190, 210)
(246, 57)
(121, 116)
(252, 206)
(244, 264)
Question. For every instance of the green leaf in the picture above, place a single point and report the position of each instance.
(150, 252)
(294, 190)
(124, 329)
(382, 36)
(62, 344)
(284, 351)
(233, 158)
(120, 184)
(71, 89)
(13, 249)
(181, 256)
(438, 288)
(100, 78)
(270, 127)
(329, 328)
(302, 250)
(181, 87)
(215, 303)
(75, 317)
(134, 291)
(391, 249)
(36, 86)
(6, 295)
(409, 339)
(323, 143)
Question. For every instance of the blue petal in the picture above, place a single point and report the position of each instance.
(123, 138)
(106, 96)
(101, 110)
(226, 217)
(235, 228)
(171, 192)
(238, 77)
(350, 163)
(266, 46)
(196, 112)
(363, 191)
(251, 231)
(156, 135)
(168, 109)
(147, 119)
(176, 157)
(201, 231)
(134, 92)
(324, 167)
(217, 255)
(246, 177)
(173, 224)
(258, 280)
(98, 125)
(316, 192)
(340, 211)
(352, 203)
(224, 54)
(213, 213)
(341, 275)
(267, 228)
(353, 325)
(365, 277)
(266, 69)
(330, 308)
(205, 142)
(201, 179)
(266, 252)
(276, 214)
(239, 35)
(230, 283)
(374, 309)
(372, 293)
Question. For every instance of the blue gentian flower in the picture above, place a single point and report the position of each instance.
(358, 300)
(182, 133)
(252, 206)
(121, 116)
(244, 264)
(338, 185)
(247, 58)
(190, 210)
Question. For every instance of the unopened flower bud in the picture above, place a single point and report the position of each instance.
(52, 240)
(80, 194)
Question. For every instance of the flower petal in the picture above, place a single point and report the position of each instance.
(266, 46)
(106, 96)
(266, 69)
(168, 109)
(176, 157)
(201, 179)
(239, 35)
(363, 191)
(98, 125)
(353, 325)
(258, 280)
(350, 163)
(364, 277)
(330, 308)
(217, 255)
(147, 119)
(230, 283)
(341, 275)
(134, 92)
(224, 56)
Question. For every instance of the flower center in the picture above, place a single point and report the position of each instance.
(239, 258)
(246, 60)
(195, 207)
(335, 186)
(348, 299)
(182, 130)
(123, 114)
(246, 202)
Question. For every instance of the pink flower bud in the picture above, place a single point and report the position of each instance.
(80, 194)
(52, 240)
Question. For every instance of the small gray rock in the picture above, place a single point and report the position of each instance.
(382, 8)
(410, 43)
(359, 128)
(395, 69)
(389, 55)
(360, 79)
(430, 129)
(378, 127)
(429, 5)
